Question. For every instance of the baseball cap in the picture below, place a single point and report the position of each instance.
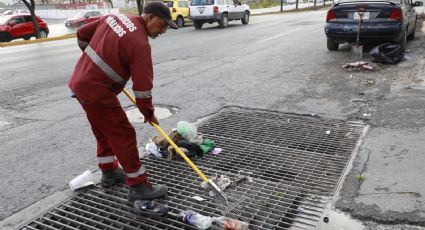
(159, 9)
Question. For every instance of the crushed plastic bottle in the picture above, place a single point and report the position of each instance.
(150, 208)
(196, 219)
(230, 224)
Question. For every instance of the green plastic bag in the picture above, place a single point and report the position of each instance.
(207, 146)
(187, 130)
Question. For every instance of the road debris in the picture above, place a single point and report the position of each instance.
(196, 219)
(83, 180)
(349, 135)
(360, 178)
(198, 198)
(187, 138)
(387, 53)
(357, 66)
(216, 151)
(230, 224)
(370, 82)
(150, 208)
(359, 100)
(152, 149)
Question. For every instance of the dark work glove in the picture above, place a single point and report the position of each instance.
(151, 120)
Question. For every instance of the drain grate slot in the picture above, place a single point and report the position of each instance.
(296, 163)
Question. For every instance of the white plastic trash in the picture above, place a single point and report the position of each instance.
(83, 180)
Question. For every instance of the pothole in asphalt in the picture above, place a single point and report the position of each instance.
(161, 113)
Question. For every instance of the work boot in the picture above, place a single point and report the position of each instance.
(112, 177)
(145, 192)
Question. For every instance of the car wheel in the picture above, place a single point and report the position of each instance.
(180, 22)
(332, 44)
(197, 24)
(43, 34)
(5, 37)
(245, 18)
(224, 21)
(27, 38)
(413, 34)
(403, 41)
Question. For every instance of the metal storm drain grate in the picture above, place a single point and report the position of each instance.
(296, 163)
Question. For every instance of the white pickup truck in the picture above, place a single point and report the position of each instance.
(221, 11)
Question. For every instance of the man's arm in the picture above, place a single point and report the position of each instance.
(142, 76)
(85, 33)
(82, 44)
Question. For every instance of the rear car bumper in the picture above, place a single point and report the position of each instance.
(376, 32)
(214, 17)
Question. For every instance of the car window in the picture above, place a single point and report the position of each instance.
(220, 2)
(169, 4)
(202, 2)
(230, 2)
(182, 4)
(3, 20)
(28, 19)
(95, 13)
(17, 20)
(79, 15)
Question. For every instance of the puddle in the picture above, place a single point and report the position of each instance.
(134, 114)
(339, 221)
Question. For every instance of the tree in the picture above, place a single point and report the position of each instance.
(31, 7)
(140, 5)
(110, 3)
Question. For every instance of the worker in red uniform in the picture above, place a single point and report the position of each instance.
(115, 48)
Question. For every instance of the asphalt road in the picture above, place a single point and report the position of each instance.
(277, 62)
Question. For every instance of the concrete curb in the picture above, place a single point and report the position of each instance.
(67, 36)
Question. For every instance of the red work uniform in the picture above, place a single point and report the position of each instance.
(118, 47)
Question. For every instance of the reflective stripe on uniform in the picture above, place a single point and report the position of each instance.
(141, 171)
(103, 66)
(106, 160)
(143, 94)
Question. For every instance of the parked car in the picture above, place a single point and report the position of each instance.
(221, 11)
(20, 26)
(7, 12)
(179, 11)
(2, 10)
(382, 21)
(82, 18)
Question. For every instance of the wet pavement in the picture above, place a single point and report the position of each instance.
(277, 62)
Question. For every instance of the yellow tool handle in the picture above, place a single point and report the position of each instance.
(178, 150)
